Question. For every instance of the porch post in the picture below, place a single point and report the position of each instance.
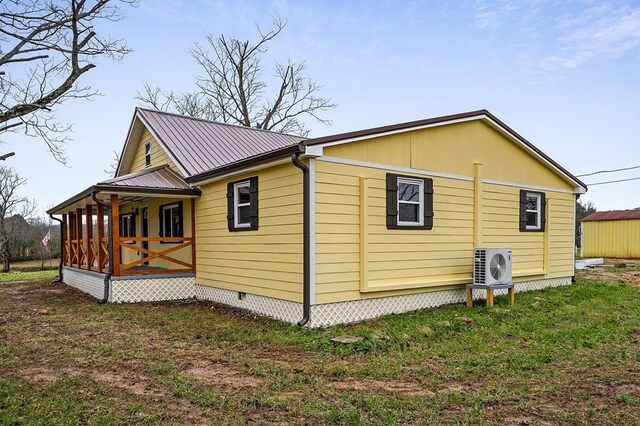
(100, 226)
(193, 235)
(79, 237)
(115, 232)
(63, 237)
(72, 236)
(89, 220)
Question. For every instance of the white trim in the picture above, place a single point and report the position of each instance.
(237, 205)
(525, 186)
(311, 164)
(147, 147)
(243, 171)
(537, 211)
(420, 203)
(394, 168)
(407, 129)
(312, 151)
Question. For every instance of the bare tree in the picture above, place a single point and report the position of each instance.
(13, 211)
(232, 88)
(45, 47)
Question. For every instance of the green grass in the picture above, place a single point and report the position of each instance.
(567, 355)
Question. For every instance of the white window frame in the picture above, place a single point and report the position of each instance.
(537, 211)
(420, 203)
(237, 205)
(164, 219)
(147, 153)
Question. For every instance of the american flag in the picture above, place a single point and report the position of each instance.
(46, 238)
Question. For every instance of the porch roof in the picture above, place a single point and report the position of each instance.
(150, 183)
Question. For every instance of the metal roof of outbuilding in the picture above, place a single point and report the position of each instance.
(613, 215)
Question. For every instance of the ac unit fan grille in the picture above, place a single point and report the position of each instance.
(497, 266)
(480, 267)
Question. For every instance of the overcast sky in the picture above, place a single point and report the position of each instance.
(565, 75)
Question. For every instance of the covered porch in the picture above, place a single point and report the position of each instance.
(135, 227)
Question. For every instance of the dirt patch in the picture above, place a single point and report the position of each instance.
(217, 375)
(390, 385)
(605, 274)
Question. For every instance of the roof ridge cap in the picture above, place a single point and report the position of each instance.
(220, 123)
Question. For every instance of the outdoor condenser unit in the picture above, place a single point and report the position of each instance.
(492, 266)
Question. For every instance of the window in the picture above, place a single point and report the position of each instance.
(409, 202)
(532, 211)
(171, 224)
(128, 225)
(147, 153)
(242, 205)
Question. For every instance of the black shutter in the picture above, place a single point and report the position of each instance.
(543, 210)
(253, 200)
(523, 210)
(133, 224)
(230, 212)
(392, 201)
(161, 221)
(428, 203)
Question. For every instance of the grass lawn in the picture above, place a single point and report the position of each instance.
(569, 355)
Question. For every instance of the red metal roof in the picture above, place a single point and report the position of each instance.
(201, 145)
(613, 215)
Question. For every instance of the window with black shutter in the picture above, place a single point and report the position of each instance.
(127, 225)
(409, 202)
(532, 211)
(242, 205)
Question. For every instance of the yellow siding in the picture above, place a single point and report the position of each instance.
(611, 238)
(183, 254)
(453, 149)
(406, 261)
(158, 155)
(267, 261)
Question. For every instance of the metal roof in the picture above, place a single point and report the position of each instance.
(613, 215)
(158, 181)
(200, 145)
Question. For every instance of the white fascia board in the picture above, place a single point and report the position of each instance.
(312, 152)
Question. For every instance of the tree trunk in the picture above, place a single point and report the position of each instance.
(6, 267)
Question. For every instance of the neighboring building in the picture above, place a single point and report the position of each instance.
(613, 233)
(319, 231)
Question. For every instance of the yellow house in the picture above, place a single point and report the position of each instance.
(318, 231)
(612, 234)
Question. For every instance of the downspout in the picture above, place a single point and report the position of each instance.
(107, 277)
(59, 280)
(306, 224)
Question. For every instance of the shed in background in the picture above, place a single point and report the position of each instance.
(613, 233)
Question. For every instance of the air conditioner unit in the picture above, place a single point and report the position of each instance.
(492, 266)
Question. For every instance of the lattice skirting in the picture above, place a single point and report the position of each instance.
(152, 289)
(282, 310)
(356, 310)
(88, 282)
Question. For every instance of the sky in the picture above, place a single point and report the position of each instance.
(563, 74)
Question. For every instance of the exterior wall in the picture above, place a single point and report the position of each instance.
(184, 254)
(158, 155)
(477, 175)
(611, 238)
(265, 262)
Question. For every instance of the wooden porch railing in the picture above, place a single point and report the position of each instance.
(180, 243)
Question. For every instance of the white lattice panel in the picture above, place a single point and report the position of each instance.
(282, 310)
(152, 289)
(84, 281)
